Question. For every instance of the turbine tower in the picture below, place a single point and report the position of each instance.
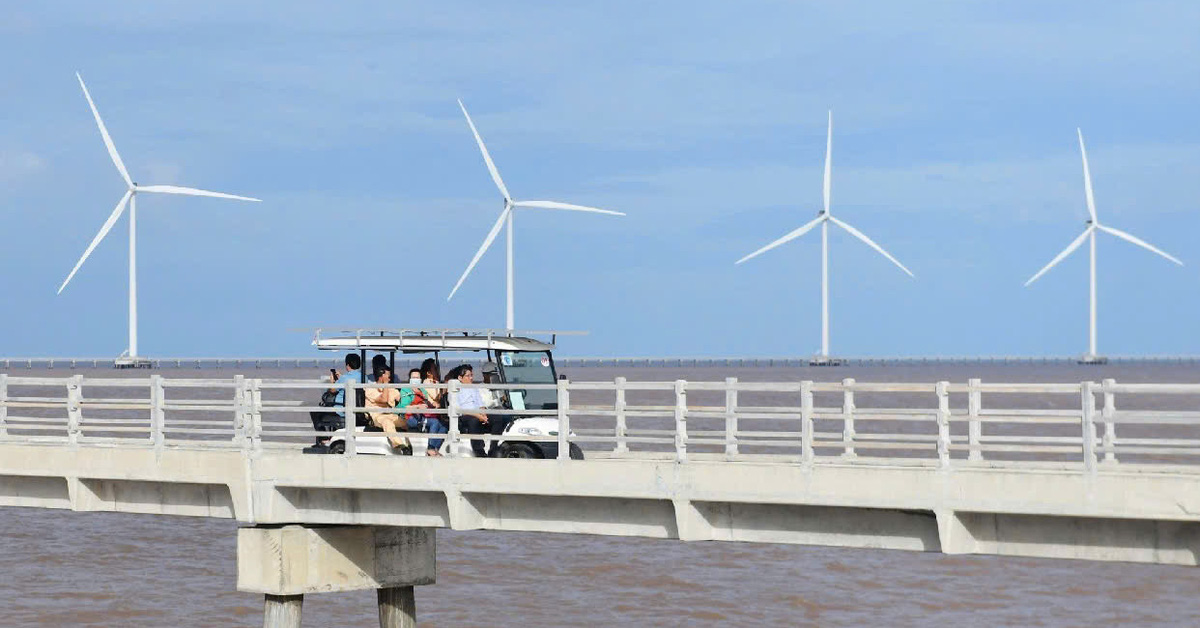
(130, 199)
(1089, 234)
(506, 220)
(824, 217)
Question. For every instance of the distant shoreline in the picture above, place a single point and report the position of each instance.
(652, 361)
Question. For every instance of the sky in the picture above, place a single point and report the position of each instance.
(954, 147)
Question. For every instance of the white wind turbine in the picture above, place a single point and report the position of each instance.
(1089, 233)
(130, 198)
(506, 219)
(824, 217)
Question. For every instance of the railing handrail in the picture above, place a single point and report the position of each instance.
(819, 421)
(11, 362)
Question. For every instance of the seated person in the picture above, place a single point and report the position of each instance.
(471, 419)
(492, 398)
(352, 374)
(416, 398)
(408, 393)
(381, 398)
(431, 374)
(377, 362)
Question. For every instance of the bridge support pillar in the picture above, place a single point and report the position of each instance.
(286, 562)
(397, 607)
(282, 611)
(953, 535)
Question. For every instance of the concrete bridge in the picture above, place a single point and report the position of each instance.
(1052, 470)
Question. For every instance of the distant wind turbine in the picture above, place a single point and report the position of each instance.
(1089, 233)
(130, 198)
(506, 219)
(824, 217)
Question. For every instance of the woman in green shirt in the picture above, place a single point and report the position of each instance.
(407, 394)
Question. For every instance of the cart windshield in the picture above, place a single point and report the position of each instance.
(529, 367)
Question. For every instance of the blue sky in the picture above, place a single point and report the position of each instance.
(954, 147)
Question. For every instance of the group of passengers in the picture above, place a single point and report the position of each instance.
(472, 403)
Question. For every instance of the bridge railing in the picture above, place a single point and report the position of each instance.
(1086, 425)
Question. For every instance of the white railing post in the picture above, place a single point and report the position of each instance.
(1088, 415)
(74, 408)
(239, 412)
(680, 420)
(943, 423)
(157, 414)
(3, 404)
(806, 423)
(975, 428)
(848, 417)
(452, 418)
(731, 417)
(1109, 413)
(564, 419)
(619, 408)
(255, 421)
(349, 401)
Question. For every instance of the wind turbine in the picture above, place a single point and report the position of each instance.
(824, 217)
(506, 220)
(1089, 233)
(130, 198)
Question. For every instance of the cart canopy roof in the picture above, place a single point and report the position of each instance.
(430, 340)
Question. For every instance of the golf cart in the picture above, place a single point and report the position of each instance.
(518, 360)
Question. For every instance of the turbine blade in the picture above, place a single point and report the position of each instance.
(175, 189)
(787, 238)
(491, 237)
(871, 243)
(1138, 241)
(558, 205)
(108, 225)
(112, 149)
(828, 163)
(1087, 178)
(486, 157)
(1061, 256)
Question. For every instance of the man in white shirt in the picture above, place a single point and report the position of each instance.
(471, 419)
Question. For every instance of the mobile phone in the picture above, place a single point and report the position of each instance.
(333, 373)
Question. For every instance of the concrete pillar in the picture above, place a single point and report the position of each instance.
(284, 563)
(282, 611)
(397, 607)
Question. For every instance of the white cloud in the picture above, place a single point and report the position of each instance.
(18, 164)
(159, 172)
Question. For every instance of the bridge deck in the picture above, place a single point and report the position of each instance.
(1051, 480)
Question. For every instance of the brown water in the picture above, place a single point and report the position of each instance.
(97, 569)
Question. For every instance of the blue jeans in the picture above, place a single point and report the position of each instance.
(428, 424)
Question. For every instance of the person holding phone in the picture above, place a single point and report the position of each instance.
(352, 374)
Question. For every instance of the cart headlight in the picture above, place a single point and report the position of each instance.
(529, 431)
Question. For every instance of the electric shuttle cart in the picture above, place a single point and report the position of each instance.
(518, 360)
